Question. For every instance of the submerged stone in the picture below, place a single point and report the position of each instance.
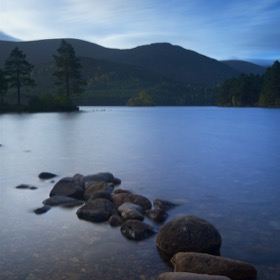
(121, 191)
(42, 210)
(22, 186)
(115, 221)
(137, 230)
(67, 186)
(99, 177)
(101, 194)
(163, 204)
(158, 215)
(141, 200)
(46, 175)
(131, 211)
(189, 276)
(213, 265)
(93, 187)
(25, 186)
(61, 200)
(97, 210)
(128, 205)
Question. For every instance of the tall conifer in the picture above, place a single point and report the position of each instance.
(67, 70)
(18, 71)
(3, 85)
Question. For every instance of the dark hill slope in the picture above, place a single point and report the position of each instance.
(41, 52)
(179, 64)
(171, 62)
(245, 67)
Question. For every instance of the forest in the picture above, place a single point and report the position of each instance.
(252, 90)
(69, 81)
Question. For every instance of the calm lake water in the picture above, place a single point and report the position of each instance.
(221, 164)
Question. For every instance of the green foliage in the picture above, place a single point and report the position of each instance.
(49, 103)
(178, 94)
(241, 91)
(142, 99)
(270, 94)
(252, 90)
(18, 71)
(3, 85)
(115, 84)
(68, 70)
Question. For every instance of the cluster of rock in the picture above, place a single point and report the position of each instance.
(101, 202)
(191, 244)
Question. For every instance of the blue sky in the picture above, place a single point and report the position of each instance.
(221, 29)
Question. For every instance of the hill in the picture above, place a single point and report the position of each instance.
(171, 74)
(172, 62)
(245, 67)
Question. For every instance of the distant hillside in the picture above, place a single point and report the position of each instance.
(172, 62)
(6, 37)
(171, 74)
(245, 67)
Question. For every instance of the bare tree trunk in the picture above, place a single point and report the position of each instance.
(67, 86)
(18, 88)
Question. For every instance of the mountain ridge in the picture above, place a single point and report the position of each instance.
(171, 74)
(245, 66)
(170, 61)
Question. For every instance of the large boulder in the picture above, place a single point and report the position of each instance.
(213, 265)
(189, 276)
(93, 187)
(188, 234)
(136, 230)
(68, 187)
(97, 210)
(121, 198)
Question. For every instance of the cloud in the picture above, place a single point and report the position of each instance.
(218, 28)
(29, 20)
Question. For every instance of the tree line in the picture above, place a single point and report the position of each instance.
(252, 90)
(17, 74)
(112, 84)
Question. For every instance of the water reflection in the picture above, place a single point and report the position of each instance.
(222, 165)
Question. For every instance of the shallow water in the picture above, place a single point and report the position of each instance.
(221, 164)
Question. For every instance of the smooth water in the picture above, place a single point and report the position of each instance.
(221, 164)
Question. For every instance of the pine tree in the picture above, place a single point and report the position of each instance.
(3, 85)
(68, 70)
(18, 71)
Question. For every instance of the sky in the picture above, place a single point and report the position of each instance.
(221, 29)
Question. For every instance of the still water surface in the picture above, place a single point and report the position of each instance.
(221, 164)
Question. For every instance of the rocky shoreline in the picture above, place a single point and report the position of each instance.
(191, 244)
